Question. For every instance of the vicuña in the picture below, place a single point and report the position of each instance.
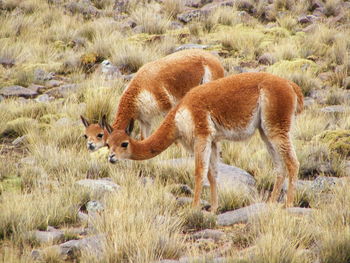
(230, 108)
(156, 88)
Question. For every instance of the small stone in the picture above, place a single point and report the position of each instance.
(266, 59)
(83, 217)
(191, 46)
(63, 122)
(189, 200)
(94, 207)
(334, 109)
(346, 83)
(99, 187)
(242, 215)
(53, 83)
(128, 77)
(216, 235)
(20, 141)
(62, 91)
(189, 15)
(299, 211)
(44, 98)
(7, 62)
(42, 75)
(306, 19)
(324, 183)
(17, 91)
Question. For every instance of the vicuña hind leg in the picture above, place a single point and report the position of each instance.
(145, 130)
(212, 175)
(289, 165)
(202, 152)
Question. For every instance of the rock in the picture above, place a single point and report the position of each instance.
(37, 88)
(323, 183)
(94, 207)
(204, 259)
(83, 217)
(63, 121)
(197, 3)
(85, 8)
(346, 83)
(17, 91)
(98, 187)
(300, 186)
(51, 236)
(44, 98)
(93, 245)
(299, 211)
(266, 59)
(7, 62)
(189, 15)
(305, 19)
(175, 25)
(42, 75)
(20, 141)
(181, 189)
(28, 160)
(216, 235)
(62, 91)
(128, 77)
(242, 215)
(109, 70)
(228, 176)
(53, 83)
(188, 200)
(308, 102)
(334, 109)
(190, 46)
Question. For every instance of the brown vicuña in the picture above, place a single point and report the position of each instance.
(230, 108)
(156, 88)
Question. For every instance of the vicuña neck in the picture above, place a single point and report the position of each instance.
(126, 109)
(159, 141)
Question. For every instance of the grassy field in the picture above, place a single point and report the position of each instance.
(143, 222)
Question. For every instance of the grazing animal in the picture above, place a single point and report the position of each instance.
(156, 88)
(231, 108)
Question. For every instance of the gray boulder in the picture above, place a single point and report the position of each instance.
(242, 215)
(228, 176)
(42, 75)
(44, 98)
(188, 200)
(51, 236)
(266, 59)
(17, 91)
(299, 211)
(93, 245)
(37, 88)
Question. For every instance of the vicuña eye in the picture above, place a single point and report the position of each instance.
(85, 136)
(124, 144)
(107, 145)
(100, 135)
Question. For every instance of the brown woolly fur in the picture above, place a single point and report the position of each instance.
(159, 85)
(231, 108)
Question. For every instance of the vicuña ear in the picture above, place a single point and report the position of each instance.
(103, 120)
(105, 125)
(85, 122)
(130, 127)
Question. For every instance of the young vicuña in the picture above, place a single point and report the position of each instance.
(230, 108)
(156, 88)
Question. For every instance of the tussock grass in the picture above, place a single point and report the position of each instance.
(127, 215)
(150, 22)
(173, 7)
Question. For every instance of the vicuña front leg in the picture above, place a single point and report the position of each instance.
(145, 130)
(202, 151)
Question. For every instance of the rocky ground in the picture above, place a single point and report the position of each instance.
(60, 59)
